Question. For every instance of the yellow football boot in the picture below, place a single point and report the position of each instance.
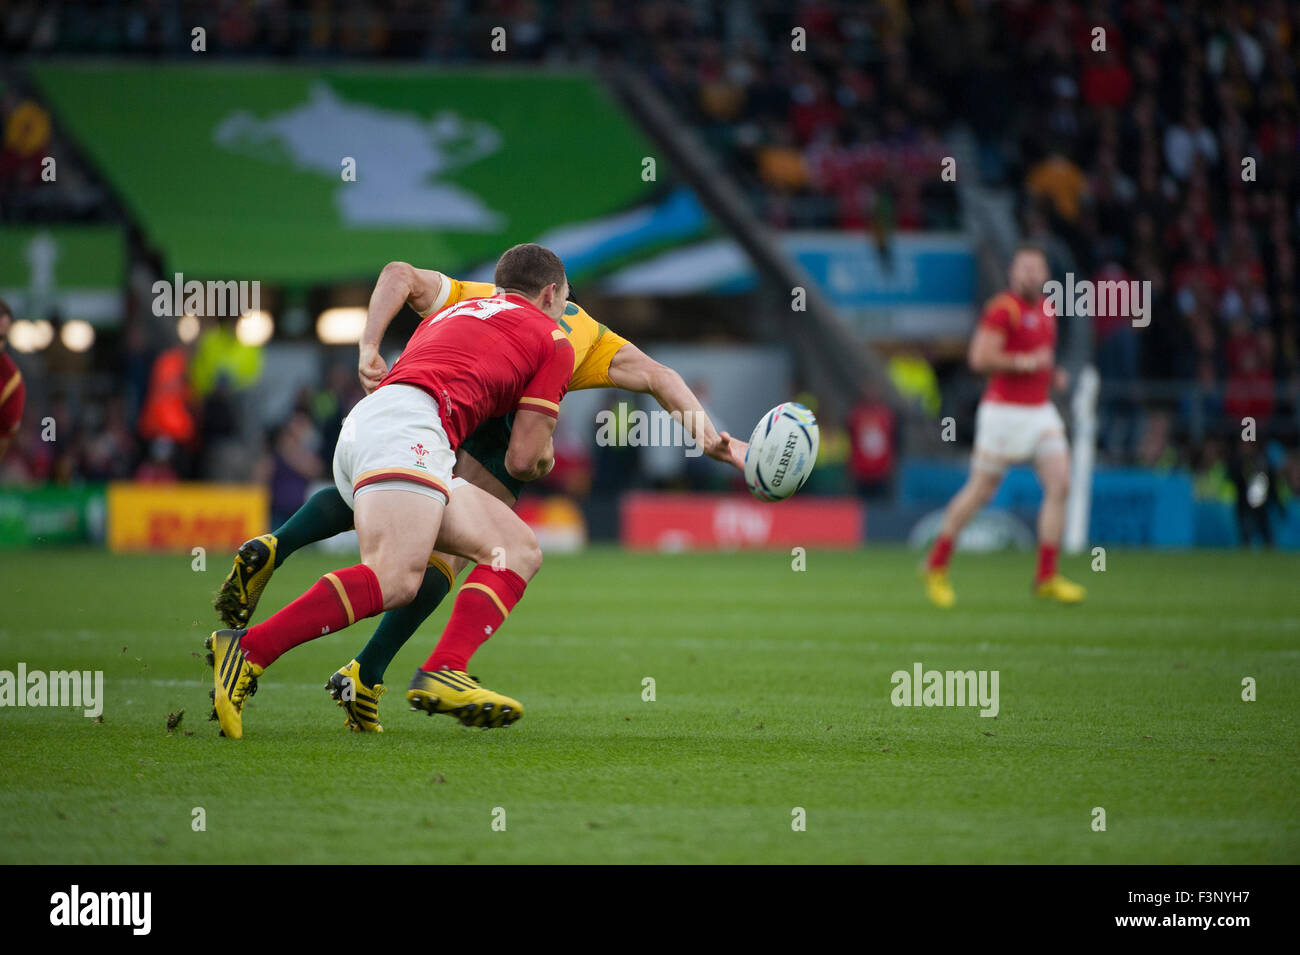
(234, 680)
(458, 694)
(243, 586)
(938, 589)
(1061, 590)
(360, 702)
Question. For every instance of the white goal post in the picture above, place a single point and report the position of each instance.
(1083, 407)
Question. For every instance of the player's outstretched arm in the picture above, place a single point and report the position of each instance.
(400, 283)
(634, 370)
(531, 453)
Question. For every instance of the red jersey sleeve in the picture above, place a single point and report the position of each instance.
(548, 386)
(13, 395)
(999, 314)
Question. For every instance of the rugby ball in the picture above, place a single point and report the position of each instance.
(782, 452)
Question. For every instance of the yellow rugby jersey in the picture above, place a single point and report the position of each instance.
(594, 345)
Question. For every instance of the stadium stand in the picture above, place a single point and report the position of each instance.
(1168, 156)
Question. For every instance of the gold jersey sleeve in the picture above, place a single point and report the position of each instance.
(454, 290)
(594, 345)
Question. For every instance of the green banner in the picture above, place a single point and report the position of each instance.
(51, 515)
(305, 175)
(78, 270)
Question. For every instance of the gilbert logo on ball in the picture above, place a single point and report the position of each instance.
(782, 452)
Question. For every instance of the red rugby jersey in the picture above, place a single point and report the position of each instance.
(13, 395)
(1026, 327)
(484, 358)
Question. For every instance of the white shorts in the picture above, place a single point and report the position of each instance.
(1012, 432)
(394, 439)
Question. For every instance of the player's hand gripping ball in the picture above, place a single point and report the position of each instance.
(782, 452)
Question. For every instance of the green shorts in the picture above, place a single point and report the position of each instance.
(487, 445)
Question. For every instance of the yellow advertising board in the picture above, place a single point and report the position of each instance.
(179, 517)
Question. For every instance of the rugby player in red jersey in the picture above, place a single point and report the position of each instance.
(13, 393)
(602, 359)
(1015, 344)
(479, 359)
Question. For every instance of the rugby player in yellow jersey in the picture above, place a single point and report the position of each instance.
(602, 359)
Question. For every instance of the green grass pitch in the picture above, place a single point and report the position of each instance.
(772, 692)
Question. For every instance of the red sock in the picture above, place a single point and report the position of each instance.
(941, 553)
(1046, 562)
(485, 598)
(335, 601)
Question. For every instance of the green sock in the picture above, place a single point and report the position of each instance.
(399, 624)
(321, 516)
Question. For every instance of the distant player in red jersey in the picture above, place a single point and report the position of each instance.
(13, 393)
(478, 359)
(1015, 344)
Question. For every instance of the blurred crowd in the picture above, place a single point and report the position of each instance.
(1170, 157)
(822, 110)
(1149, 140)
(176, 411)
